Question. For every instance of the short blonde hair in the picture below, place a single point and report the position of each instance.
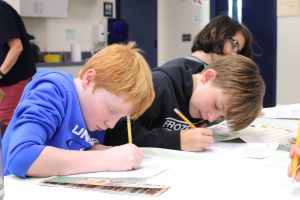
(123, 71)
(240, 79)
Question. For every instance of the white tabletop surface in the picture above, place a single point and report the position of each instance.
(191, 176)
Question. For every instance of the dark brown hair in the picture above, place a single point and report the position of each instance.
(212, 37)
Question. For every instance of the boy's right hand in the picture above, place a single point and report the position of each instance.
(123, 158)
(197, 139)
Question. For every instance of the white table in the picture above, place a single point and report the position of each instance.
(191, 176)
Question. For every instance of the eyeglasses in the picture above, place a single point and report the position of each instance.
(235, 45)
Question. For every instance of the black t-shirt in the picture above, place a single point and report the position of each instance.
(12, 26)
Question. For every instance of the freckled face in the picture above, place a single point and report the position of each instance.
(104, 109)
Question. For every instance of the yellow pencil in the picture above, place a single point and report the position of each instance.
(184, 118)
(129, 130)
(296, 159)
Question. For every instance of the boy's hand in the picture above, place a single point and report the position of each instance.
(292, 153)
(197, 139)
(123, 158)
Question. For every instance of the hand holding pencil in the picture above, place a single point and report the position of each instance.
(294, 168)
(296, 174)
(194, 139)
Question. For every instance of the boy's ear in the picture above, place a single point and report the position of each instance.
(208, 75)
(88, 78)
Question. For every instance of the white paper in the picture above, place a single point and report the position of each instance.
(243, 150)
(148, 168)
(266, 133)
(291, 111)
(257, 132)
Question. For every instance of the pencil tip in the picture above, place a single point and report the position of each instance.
(293, 177)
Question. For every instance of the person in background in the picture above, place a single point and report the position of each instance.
(16, 60)
(2, 98)
(222, 36)
(59, 124)
(174, 87)
(294, 151)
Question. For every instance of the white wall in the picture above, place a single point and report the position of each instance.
(177, 17)
(51, 32)
(288, 60)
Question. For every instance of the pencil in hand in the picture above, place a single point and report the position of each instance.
(129, 130)
(184, 118)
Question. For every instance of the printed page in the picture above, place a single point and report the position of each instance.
(255, 133)
(266, 133)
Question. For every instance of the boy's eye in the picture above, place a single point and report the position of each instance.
(111, 111)
(216, 106)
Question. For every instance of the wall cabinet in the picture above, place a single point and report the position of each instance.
(41, 8)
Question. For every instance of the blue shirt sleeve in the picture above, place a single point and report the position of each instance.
(36, 119)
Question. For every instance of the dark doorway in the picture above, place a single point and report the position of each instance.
(141, 17)
(261, 18)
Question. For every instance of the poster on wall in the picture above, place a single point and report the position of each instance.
(288, 7)
(107, 9)
(200, 11)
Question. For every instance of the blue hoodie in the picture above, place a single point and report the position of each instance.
(48, 114)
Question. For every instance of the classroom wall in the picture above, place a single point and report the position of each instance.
(57, 34)
(175, 17)
(288, 62)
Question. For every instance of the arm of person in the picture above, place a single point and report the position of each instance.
(294, 151)
(15, 49)
(187, 140)
(99, 147)
(143, 137)
(56, 162)
(2, 96)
